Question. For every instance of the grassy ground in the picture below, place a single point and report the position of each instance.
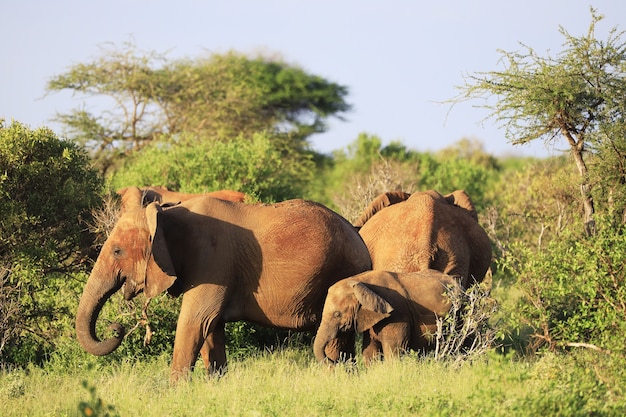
(289, 383)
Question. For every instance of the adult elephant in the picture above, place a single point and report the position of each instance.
(427, 230)
(163, 195)
(267, 264)
(379, 203)
(394, 311)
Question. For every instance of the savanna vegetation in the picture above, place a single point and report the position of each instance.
(550, 326)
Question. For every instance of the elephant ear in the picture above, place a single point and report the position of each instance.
(461, 199)
(131, 198)
(150, 196)
(374, 308)
(160, 274)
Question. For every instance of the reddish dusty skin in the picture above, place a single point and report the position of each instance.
(427, 231)
(394, 311)
(269, 264)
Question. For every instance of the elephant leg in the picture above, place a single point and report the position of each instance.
(196, 332)
(213, 351)
(204, 353)
(394, 340)
(187, 344)
(371, 349)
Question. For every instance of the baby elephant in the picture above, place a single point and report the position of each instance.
(395, 311)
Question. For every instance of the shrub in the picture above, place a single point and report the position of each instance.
(47, 189)
(258, 166)
(466, 332)
(574, 291)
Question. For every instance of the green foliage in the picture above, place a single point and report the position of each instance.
(44, 317)
(572, 94)
(459, 174)
(47, 190)
(145, 337)
(366, 169)
(287, 382)
(580, 384)
(247, 339)
(267, 93)
(560, 287)
(574, 290)
(576, 95)
(258, 166)
(607, 170)
(95, 407)
(218, 97)
(532, 204)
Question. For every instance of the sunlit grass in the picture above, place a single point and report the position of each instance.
(289, 382)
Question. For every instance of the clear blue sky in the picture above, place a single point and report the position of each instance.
(399, 58)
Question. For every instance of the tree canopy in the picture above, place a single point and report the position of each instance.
(577, 95)
(142, 96)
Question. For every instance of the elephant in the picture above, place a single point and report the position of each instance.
(379, 203)
(394, 311)
(163, 195)
(427, 230)
(270, 264)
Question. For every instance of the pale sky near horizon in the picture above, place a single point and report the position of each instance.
(400, 59)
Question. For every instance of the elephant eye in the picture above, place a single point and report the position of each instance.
(117, 252)
(337, 314)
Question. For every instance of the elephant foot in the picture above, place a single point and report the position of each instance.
(217, 371)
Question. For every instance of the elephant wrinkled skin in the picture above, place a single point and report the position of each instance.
(427, 230)
(267, 264)
(394, 311)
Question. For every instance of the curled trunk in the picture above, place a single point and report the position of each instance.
(321, 344)
(91, 303)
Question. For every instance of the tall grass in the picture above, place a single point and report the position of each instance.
(288, 382)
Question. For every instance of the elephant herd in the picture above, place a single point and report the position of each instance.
(291, 265)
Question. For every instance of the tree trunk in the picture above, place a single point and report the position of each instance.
(577, 147)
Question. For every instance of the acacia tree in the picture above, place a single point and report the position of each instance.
(225, 95)
(577, 95)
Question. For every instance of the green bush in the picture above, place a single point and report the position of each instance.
(47, 191)
(574, 290)
(366, 169)
(258, 166)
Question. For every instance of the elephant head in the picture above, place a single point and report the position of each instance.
(350, 306)
(135, 257)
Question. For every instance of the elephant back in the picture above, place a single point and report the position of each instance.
(427, 231)
(380, 202)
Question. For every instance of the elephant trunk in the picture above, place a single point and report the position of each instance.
(95, 295)
(322, 340)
